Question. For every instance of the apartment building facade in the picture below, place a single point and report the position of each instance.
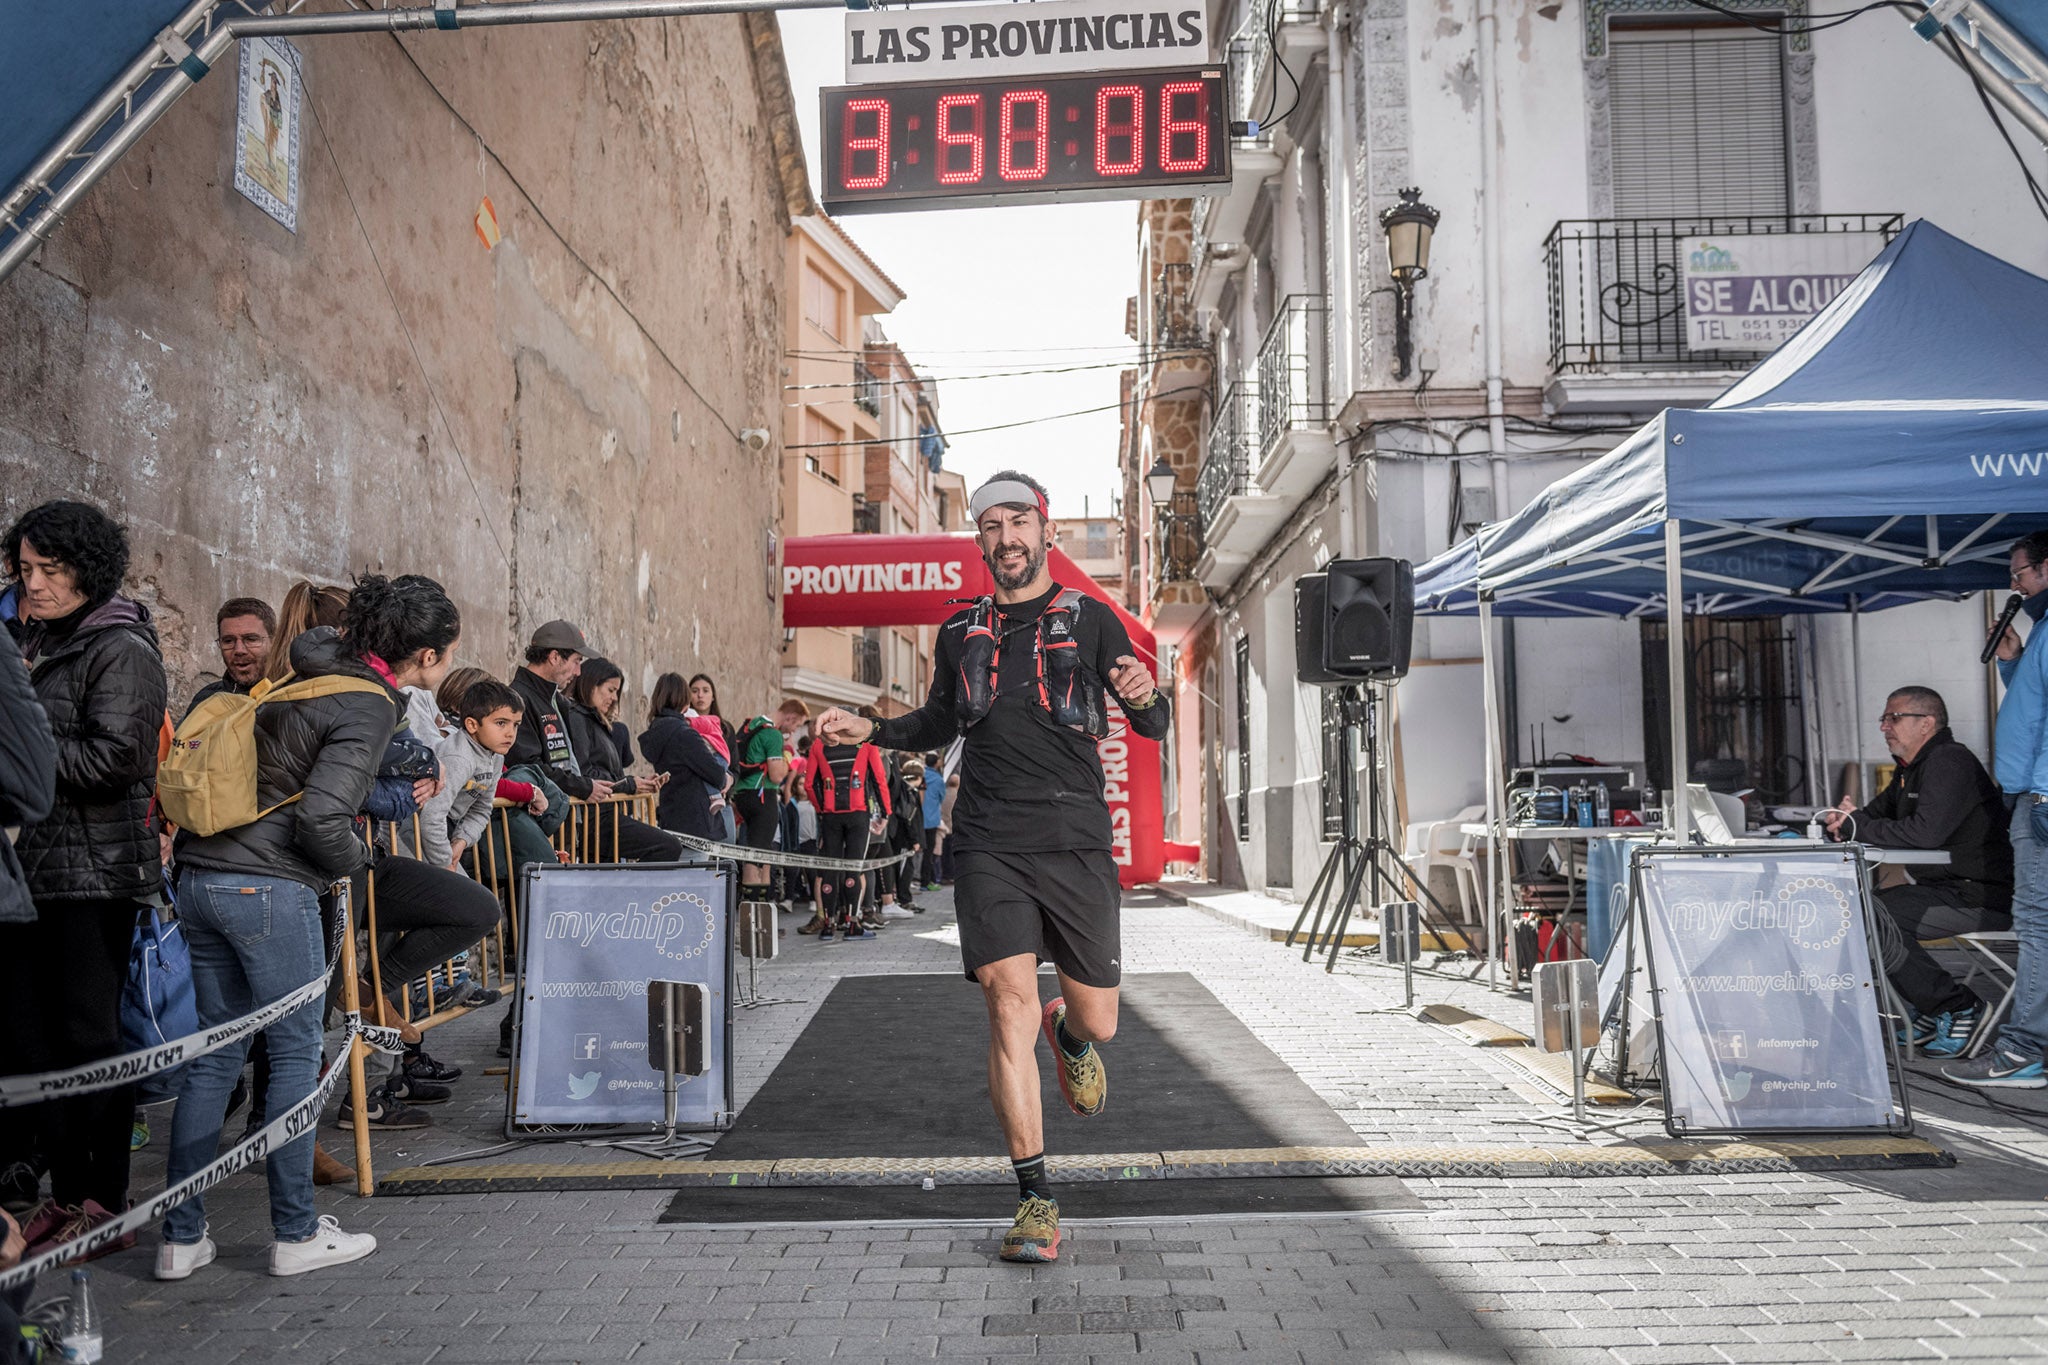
(1312, 406)
(863, 453)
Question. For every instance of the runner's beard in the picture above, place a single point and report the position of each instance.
(1034, 560)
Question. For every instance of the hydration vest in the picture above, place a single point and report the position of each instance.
(833, 795)
(1068, 690)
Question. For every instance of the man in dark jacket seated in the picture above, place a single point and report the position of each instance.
(1940, 797)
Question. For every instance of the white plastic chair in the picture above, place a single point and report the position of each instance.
(1441, 843)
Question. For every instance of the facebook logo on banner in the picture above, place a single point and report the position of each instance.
(588, 1045)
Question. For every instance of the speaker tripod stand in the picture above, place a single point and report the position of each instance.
(1352, 860)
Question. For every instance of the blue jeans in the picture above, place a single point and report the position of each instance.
(2026, 1028)
(253, 940)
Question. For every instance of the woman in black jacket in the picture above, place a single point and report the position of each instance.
(610, 835)
(90, 862)
(690, 767)
(250, 901)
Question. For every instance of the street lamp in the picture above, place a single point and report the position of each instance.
(1161, 480)
(1409, 226)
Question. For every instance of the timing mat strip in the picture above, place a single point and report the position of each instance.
(1647, 1158)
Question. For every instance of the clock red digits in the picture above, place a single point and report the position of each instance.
(1134, 129)
(949, 137)
(1035, 137)
(1196, 127)
(850, 145)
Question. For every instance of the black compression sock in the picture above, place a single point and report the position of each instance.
(1069, 1044)
(1031, 1181)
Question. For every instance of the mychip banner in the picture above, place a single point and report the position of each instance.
(593, 937)
(1766, 997)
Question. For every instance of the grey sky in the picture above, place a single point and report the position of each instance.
(997, 290)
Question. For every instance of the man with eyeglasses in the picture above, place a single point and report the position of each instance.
(2015, 1059)
(243, 627)
(1939, 797)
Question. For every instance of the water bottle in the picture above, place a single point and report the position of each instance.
(1582, 806)
(81, 1321)
(1603, 805)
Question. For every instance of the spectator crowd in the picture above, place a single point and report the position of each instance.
(376, 761)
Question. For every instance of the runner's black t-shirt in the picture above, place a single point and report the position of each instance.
(1027, 784)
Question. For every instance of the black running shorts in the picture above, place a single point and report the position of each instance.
(1064, 908)
(760, 814)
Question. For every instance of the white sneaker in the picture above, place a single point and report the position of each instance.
(895, 912)
(329, 1246)
(177, 1260)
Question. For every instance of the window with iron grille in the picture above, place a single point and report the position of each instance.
(1244, 738)
(1698, 121)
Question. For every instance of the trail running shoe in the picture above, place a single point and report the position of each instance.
(2000, 1069)
(1951, 1033)
(1084, 1085)
(1035, 1235)
(138, 1135)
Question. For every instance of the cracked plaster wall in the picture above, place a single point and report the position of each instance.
(251, 402)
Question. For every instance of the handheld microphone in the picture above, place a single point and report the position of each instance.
(2012, 609)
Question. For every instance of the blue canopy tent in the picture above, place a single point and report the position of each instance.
(1889, 452)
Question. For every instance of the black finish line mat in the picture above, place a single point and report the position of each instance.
(899, 1065)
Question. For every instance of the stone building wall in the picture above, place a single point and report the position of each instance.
(550, 428)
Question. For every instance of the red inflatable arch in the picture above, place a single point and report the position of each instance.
(862, 580)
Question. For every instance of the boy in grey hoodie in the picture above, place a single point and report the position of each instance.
(472, 760)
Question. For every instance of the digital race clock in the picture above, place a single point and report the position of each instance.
(1105, 135)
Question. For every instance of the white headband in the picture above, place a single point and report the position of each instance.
(1005, 493)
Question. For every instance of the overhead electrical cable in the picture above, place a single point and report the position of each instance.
(999, 426)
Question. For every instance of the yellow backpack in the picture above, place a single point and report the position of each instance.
(207, 783)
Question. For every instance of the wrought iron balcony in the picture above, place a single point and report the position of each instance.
(867, 390)
(1226, 468)
(1251, 51)
(1294, 367)
(1616, 296)
(1180, 538)
(867, 660)
(1174, 324)
(867, 517)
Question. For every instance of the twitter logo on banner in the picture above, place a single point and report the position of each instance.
(584, 1086)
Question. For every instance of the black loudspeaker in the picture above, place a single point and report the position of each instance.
(1354, 621)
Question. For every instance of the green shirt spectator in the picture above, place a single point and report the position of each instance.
(758, 750)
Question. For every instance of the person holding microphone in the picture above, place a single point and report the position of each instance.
(2015, 1059)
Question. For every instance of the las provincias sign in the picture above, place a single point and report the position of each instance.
(1053, 37)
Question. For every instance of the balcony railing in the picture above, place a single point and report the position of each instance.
(867, 391)
(1180, 538)
(1226, 468)
(1251, 48)
(1294, 368)
(1174, 324)
(867, 518)
(1616, 296)
(867, 660)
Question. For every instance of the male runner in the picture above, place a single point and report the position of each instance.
(1024, 675)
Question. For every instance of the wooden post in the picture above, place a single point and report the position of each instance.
(358, 1089)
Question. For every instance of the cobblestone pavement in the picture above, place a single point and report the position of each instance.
(1891, 1266)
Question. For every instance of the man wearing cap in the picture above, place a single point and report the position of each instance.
(1026, 674)
(554, 656)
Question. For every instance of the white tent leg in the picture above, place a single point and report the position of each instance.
(1499, 930)
(1674, 644)
(1856, 697)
